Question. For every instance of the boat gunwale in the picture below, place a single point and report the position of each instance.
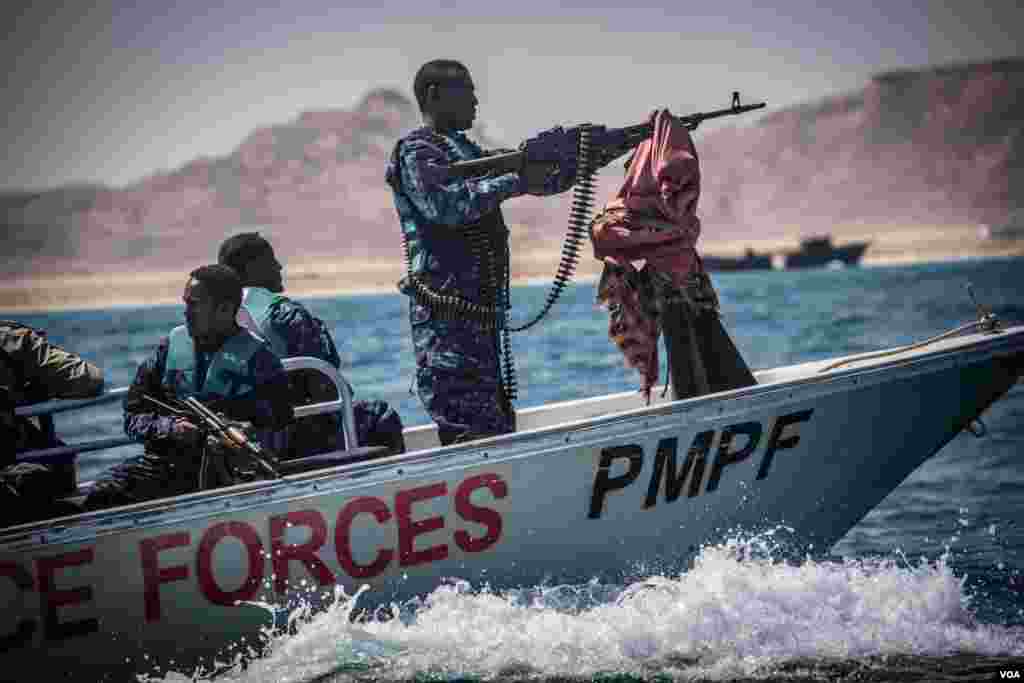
(89, 526)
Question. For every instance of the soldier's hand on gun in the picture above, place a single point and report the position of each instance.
(245, 428)
(215, 445)
(186, 433)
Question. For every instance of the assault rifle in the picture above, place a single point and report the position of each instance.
(563, 147)
(230, 436)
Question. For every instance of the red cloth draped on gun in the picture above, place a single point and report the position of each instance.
(652, 223)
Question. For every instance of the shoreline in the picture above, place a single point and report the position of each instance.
(59, 302)
(904, 245)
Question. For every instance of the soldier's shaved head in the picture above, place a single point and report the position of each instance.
(436, 72)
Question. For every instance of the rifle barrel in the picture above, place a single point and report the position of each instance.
(737, 109)
(205, 413)
(161, 404)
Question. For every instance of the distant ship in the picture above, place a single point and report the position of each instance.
(1011, 229)
(819, 251)
(749, 261)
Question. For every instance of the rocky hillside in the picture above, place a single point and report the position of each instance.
(934, 147)
(314, 185)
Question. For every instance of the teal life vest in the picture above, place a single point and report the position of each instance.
(258, 303)
(227, 376)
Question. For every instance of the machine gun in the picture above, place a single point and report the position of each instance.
(230, 436)
(576, 154)
(596, 145)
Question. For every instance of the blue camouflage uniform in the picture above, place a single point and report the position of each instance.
(244, 380)
(457, 247)
(292, 331)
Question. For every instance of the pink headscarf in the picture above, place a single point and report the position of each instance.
(654, 215)
(652, 222)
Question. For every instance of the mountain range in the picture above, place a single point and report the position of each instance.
(935, 146)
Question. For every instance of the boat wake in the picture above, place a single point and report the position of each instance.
(738, 611)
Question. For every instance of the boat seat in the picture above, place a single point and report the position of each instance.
(332, 459)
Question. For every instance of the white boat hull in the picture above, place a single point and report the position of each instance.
(608, 488)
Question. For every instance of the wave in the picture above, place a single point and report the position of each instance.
(738, 611)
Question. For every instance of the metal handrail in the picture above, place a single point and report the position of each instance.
(343, 402)
(60, 405)
(75, 448)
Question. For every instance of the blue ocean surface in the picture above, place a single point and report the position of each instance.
(928, 586)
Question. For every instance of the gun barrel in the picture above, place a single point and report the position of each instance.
(693, 119)
(204, 413)
(160, 404)
(214, 422)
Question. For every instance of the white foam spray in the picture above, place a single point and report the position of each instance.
(736, 612)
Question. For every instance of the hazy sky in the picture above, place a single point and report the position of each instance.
(112, 91)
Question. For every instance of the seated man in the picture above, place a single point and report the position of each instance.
(34, 370)
(224, 366)
(293, 331)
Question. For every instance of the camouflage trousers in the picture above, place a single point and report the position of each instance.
(458, 378)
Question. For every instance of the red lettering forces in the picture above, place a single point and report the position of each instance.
(371, 518)
(411, 525)
(343, 537)
(153, 575)
(52, 597)
(301, 552)
(472, 513)
(369, 535)
(409, 529)
(204, 563)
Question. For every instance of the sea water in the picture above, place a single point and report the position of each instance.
(928, 586)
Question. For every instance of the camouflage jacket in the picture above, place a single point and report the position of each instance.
(266, 407)
(32, 370)
(437, 212)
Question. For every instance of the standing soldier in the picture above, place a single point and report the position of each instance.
(457, 255)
